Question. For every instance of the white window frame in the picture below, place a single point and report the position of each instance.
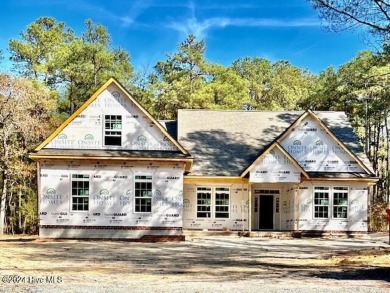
(201, 202)
(138, 198)
(223, 191)
(112, 130)
(332, 205)
(342, 190)
(207, 205)
(325, 190)
(75, 194)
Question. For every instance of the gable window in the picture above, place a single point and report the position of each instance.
(80, 192)
(340, 202)
(143, 194)
(112, 130)
(321, 202)
(222, 202)
(203, 202)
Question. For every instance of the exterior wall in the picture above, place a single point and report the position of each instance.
(238, 209)
(287, 218)
(357, 208)
(316, 151)
(274, 167)
(86, 131)
(293, 208)
(111, 200)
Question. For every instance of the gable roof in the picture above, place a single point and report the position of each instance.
(283, 151)
(352, 136)
(225, 143)
(93, 98)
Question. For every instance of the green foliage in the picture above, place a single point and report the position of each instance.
(278, 86)
(75, 66)
(341, 15)
(360, 88)
(50, 55)
(35, 56)
(26, 108)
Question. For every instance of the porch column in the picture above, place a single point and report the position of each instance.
(250, 207)
(297, 202)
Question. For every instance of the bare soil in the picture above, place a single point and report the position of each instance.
(208, 264)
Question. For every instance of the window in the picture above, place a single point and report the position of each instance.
(203, 202)
(143, 194)
(113, 130)
(340, 202)
(80, 192)
(321, 202)
(222, 202)
(331, 201)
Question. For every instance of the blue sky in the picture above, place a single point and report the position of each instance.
(148, 29)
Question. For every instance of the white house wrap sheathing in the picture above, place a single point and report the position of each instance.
(111, 198)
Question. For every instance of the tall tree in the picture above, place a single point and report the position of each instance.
(186, 80)
(177, 80)
(73, 65)
(35, 55)
(26, 108)
(347, 14)
(360, 88)
(277, 86)
(88, 61)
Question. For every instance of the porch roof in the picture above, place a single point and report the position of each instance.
(113, 155)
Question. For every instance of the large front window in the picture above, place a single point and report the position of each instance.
(112, 130)
(222, 202)
(213, 202)
(331, 202)
(203, 202)
(340, 202)
(321, 202)
(80, 192)
(143, 194)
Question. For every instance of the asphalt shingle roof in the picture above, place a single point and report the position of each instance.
(225, 143)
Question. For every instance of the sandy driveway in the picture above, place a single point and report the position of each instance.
(209, 264)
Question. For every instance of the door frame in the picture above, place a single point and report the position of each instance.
(276, 195)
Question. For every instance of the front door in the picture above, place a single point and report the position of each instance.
(266, 215)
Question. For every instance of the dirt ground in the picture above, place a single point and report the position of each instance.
(200, 264)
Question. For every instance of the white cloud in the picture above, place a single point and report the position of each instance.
(200, 28)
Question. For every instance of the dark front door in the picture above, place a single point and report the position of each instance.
(266, 212)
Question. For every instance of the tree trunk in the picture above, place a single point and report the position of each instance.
(4, 185)
(3, 199)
